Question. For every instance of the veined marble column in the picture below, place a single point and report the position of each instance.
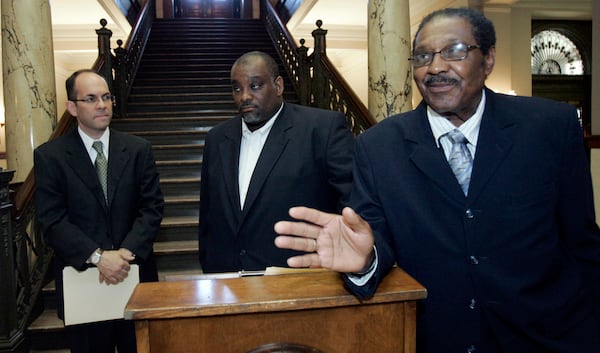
(390, 76)
(28, 80)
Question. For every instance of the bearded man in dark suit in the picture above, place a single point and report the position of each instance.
(272, 156)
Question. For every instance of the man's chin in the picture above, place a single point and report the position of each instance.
(251, 119)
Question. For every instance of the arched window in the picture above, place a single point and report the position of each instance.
(552, 53)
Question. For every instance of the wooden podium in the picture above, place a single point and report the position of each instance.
(237, 315)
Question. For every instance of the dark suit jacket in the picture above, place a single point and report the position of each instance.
(513, 267)
(306, 161)
(70, 203)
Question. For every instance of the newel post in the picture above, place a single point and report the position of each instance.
(104, 53)
(12, 339)
(304, 74)
(319, 85)
(121, 79)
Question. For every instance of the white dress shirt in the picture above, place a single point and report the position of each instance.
(439, 126)
(88, 141)
(250, 148)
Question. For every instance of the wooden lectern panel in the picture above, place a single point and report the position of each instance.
(238, 315)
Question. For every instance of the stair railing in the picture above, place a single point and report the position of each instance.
(125, 61)
(314, 77)
(27, 265)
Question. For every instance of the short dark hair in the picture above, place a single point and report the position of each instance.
(483, 28)
(268, 60)
(70, 83)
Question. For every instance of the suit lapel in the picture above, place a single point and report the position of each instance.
(79, 160)
(229, 151)
(494, 143)
(427, 157)
(117, 160)
(272, 150)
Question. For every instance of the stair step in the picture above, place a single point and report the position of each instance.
(173, 136)
(145, 107)
(177, 114)
(178, 152)
(194, 123)
(179, 89)
(182, 205)
(179, 222)
(176, 247)
(47, 322)
(178, 228)
(194, 97)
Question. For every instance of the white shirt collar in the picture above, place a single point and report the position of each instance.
(440, 125)
(88, 141)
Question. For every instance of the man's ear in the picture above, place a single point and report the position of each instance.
(490, 60)
(279, 85)
(72, 108)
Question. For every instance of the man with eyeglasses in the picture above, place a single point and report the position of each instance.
(106, 217)
(484, 198)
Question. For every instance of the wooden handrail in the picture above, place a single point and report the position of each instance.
(342, 96)
(592, 141)
(316, 80)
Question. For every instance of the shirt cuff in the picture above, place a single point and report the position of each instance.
(360, 279)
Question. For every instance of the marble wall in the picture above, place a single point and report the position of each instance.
(28, 80)
(389, 41)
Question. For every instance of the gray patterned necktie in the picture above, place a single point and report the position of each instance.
(460, 159)
(101, 166)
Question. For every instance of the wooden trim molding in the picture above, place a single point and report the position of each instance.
(592, 141)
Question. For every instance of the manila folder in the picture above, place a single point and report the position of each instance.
(88, 300)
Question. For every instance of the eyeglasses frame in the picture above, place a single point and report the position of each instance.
(469, 47)
(96, 99)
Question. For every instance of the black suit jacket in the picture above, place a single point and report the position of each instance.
(515, 265)
(71, 210)
(306, 161)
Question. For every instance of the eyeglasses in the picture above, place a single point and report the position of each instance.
(454, 52)
(94, 99)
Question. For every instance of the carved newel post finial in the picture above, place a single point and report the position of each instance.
(303, 73)
(120, 81)
(319, 36)
(104, 53)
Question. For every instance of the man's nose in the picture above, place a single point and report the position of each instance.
(246, 95)
(438, 64)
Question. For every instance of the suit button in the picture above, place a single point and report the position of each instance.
(471, 349)
(474, 260)
(472, 304)
(243, 252)
(469, 214)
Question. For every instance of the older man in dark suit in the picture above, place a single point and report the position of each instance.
(108, 220)
(497, 224)
(272, 156)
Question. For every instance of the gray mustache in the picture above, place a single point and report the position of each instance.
(439, 79)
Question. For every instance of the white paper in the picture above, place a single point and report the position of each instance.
(88, 300)
(273, 270)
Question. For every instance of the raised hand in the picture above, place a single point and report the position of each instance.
(342, 243)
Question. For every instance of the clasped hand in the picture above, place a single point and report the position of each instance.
(114, 265)
(342, 243)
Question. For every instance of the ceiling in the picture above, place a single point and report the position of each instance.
(74, 21)
(346, 20)
(74, 24)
